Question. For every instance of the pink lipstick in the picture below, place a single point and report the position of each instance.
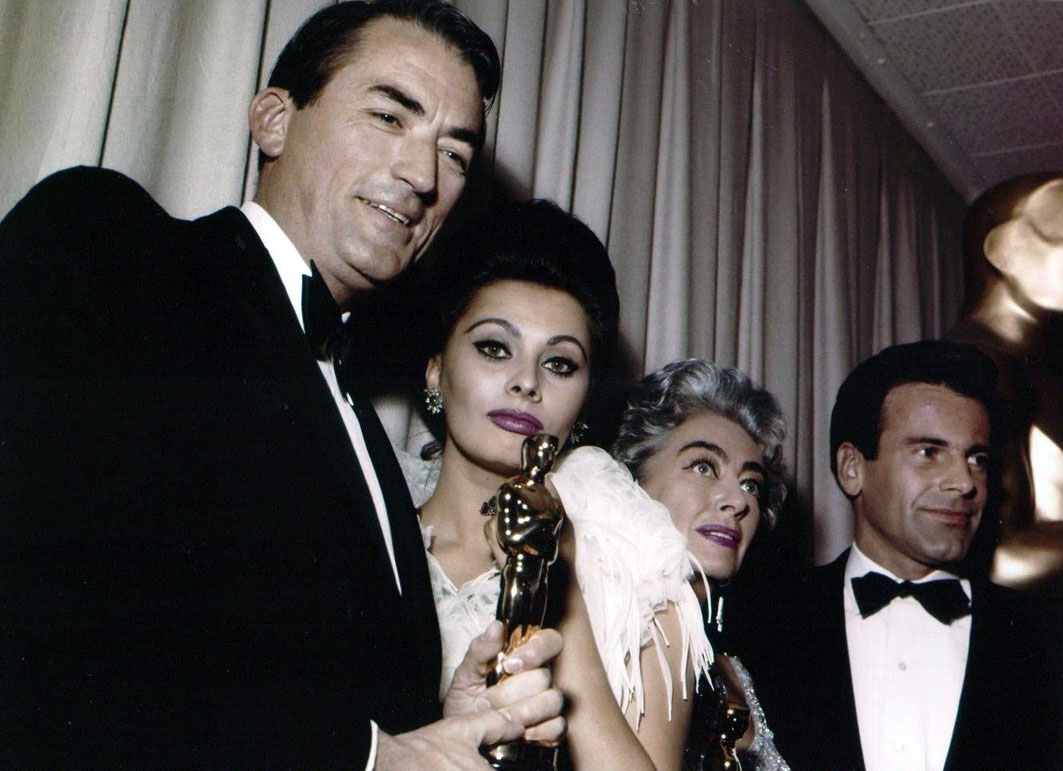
(727, 537)
(516, 421)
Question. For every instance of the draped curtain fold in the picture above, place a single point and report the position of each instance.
(762, 206)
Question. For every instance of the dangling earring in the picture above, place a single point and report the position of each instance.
(433, 401)
(578, 433)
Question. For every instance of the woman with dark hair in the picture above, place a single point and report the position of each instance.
(529, 323)
(707, 443)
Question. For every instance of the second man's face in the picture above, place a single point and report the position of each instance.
(369, 170)
(919, 502)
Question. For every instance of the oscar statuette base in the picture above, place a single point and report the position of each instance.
(519, 756)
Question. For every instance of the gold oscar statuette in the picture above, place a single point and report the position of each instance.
(528, 520)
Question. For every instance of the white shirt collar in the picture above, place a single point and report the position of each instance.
(860, 564)
(286, 258)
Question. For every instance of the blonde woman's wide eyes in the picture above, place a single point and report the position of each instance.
(752, 487)
(492, 349)
(703, 468)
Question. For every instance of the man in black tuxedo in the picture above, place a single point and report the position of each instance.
(210, 559)
(887, 658)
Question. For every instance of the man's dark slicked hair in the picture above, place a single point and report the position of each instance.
(328, 39)
(857, 413)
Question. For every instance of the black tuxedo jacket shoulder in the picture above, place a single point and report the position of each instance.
(193, 572)
(796, 650)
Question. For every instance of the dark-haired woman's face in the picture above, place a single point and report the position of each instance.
(709, 476)
(516, 363)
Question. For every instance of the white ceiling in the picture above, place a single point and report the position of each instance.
(979, 83)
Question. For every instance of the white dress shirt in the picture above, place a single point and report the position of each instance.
(291, 267)
(908, 671)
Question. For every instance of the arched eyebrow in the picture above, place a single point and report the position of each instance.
(569, 339)
(401, 98)
(715, 449)
(492, 320)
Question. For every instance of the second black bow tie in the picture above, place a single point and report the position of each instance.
(944, 599)
(321, 315)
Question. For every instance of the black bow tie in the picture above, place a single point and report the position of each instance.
(944, 599)
(321, 315)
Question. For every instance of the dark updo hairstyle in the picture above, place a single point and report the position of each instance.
(534, 241)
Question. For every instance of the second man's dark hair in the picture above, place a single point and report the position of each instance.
(857, 413)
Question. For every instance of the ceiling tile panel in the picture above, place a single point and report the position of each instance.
(1000, 116)
(997, 168)
(956, 47)
(978, 82)
(877, 10)
(1038, 31)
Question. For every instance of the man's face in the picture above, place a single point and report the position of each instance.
(363, 177)
(919, 502)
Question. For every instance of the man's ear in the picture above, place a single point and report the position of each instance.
(851, 465)
(269, 115)
(433, 369)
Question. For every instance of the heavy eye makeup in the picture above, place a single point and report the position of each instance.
(492, 349)
(561, 365)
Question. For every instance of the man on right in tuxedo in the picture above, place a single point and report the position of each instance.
(892, 657)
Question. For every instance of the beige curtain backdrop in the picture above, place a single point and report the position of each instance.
(762, 206)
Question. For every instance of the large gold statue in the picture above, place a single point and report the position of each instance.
(528, 519)
(1013, 311)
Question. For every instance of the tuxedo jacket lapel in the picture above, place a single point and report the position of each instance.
(260, 294)
(831, 675)
(970, 716)
(1007, 714)
(799, 660)
(411, 632)
(402, 518)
